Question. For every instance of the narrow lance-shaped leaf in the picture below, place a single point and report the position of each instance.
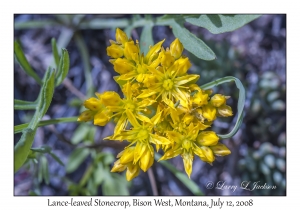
(22, 148)
(217, 24)
(55, 51)
(76, 158)
(19, 128)
(63, 67)
(45, 169)
(22, 60)
(241, 102)
(191, 42)
(44, 99)
(146, 38)
(24, 105)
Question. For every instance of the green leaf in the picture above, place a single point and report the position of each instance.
(22, 148)
(55, 51)
(114, 184)
(98, 174)
(22, 60)
(44, 99)
(76, 158)
(192, 43)
(146, 38)
(21, 127)
(56, 158)
(80, 133)
(24, 105)
(190, 184)
(43, 149)
(217, 24)
(87, 175)
(241, 102)
(63, 67)
(100, 23)
(35, 24)
(44, 168)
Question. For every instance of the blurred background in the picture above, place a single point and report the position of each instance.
(255, 53)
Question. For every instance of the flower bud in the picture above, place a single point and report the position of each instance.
(220, 150)
(146, 160)
(131, 51)
(127, 156)
(183, 65)
(225, 111)
(85, 116)
(218, 100)
(167, 59)
(93, 104)
(102, 118)
(118, 167)
(121, 36)
(132, 171)
(123, 66)
(176, 48)
(207, 138)
(110, 98)
(115, 51)
(208, 153)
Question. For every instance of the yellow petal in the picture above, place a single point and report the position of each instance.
(188, 162)
(209, 112)
(152, 52)
(139, 150)
(147, 160)
(156, 139)
(186, 79)
(132, 119)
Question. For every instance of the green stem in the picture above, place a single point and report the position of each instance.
(24, 105)
(19, 128)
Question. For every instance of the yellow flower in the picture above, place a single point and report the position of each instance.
(97, 111)
(162, 108)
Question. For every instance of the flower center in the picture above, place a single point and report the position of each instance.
(130, 105)
(168, 84)
(141, 69)
(143, 134)
(187, 144)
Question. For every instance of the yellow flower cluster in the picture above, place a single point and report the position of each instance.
(162, 107)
